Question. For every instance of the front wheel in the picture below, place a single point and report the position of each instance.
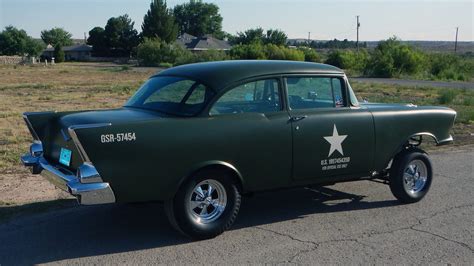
(411, 175)
(205, 206)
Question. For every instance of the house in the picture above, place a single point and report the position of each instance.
(78, 52)
(204, 43)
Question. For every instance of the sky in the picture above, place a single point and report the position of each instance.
(408, 20)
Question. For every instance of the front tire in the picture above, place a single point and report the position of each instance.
(411, 175)
(206, 205)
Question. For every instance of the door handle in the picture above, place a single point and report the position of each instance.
(297, 118)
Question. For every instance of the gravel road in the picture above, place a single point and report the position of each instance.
(420, 83)
(349, 223)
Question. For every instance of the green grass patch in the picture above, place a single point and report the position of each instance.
(461, 100)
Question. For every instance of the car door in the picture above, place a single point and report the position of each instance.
(255, 133)
(330, 137)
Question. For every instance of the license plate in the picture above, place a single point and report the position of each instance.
(65, 156)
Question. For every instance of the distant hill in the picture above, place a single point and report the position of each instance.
(436, 46)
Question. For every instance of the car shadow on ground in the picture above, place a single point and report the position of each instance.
(96, 230)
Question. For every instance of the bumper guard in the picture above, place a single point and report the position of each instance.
(86, 185)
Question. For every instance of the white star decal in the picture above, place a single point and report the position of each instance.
(335, 140)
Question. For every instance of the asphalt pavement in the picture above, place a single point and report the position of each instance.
(348, 223)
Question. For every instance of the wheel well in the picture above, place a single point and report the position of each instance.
(225, 167)
(415, 140)
(412, 143)
(233, 173)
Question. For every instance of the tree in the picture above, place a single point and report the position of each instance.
(276, 37)
(120, 36)
(159, 22)
(14, 41)
(34, 47)
(58, 53)
(97, 40)
(257, 35)
(56, 36)
(198, 18)
(250, 36)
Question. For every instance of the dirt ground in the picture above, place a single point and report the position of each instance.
(21, 188)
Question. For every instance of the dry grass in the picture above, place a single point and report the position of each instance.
(60, 87)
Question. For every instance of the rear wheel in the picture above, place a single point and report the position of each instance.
(411, 175)
(206, 205)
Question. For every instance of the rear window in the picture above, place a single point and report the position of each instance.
(172, 95)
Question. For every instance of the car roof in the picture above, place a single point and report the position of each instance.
(220, 74)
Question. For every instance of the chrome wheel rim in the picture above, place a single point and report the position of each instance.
(415, 176)
(207, 201)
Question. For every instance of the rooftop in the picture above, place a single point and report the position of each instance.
(221, 74)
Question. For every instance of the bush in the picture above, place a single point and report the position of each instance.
(58, 54)
(310, 54)
(153, 52)
(380, 65)
(348, 59)
(447, 96)
(392, 58)
(267, 51)
(450, 67)
(211, 55)
(247, 51)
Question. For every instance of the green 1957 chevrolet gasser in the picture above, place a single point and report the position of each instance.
(198, 136)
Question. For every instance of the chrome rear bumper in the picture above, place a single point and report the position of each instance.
(88, 191)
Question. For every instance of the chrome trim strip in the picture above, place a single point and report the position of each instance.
(446, 141)
(76, 141)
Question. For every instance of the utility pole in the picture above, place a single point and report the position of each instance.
(358, 26)
(456, 41)
(309, 38)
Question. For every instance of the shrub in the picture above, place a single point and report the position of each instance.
(450, 67)
(380, 65)
(247, 51)
(293, 54)
(211, 55)
(267, 51)
(392, 58)
(153, 52)
(446, 96)
(348, 59)
(310, 54)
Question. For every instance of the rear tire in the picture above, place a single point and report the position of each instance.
(205, 205)
(411, 175)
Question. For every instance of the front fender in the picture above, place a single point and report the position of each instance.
(393, 128)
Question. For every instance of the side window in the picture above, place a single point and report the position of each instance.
(315, 92)
(260, 96)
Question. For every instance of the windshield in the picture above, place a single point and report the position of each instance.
(172, 95)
